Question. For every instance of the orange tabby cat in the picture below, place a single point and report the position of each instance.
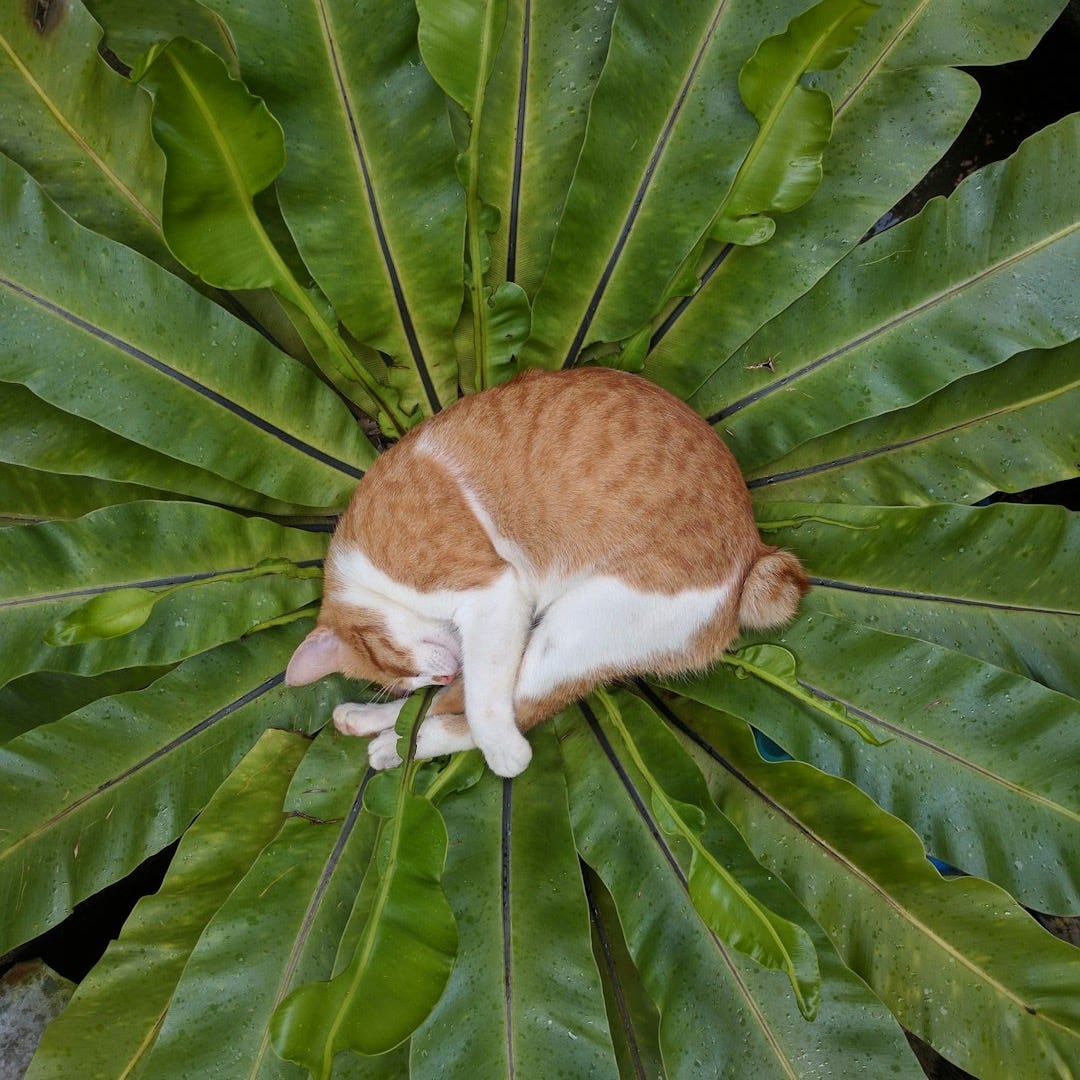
(531, 542)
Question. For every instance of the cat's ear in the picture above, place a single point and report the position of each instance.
(321, 653)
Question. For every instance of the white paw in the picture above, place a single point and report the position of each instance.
(509, 755)
(353, 719)
(382, 750)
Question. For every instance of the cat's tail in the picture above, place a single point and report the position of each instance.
(772, 590)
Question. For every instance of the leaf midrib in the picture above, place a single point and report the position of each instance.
(905, 914)
(110, 176)
(408, 328)
(863, 455)
(683, 305)
(132, 770)
(148, 583)
(879, 59)
(650, 824)
(934, 598)
(905, 735)
(240, 412)
(934, 300)
(304, 931)
(659, 147)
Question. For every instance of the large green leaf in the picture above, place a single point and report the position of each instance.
(401, 919)
(160, 381)
(938, 573)
(377, 167)
(533, 125)
(632, 1017)
(27, 495)
(131, 988)
(125, 383)
(44, 696)
(131, 28)
(459, 43)
(957, 961)
(893, 121)
(659, 154)
(51, 570)
(1008, 428)
(715, 1005)
(512, 876)
(222, 149)
(303, 886)
(782, 168)
(961, 304)
(87, 798)
(60, 107)
(680, 805)
(41, 437)
(953, 726)
(945, 33)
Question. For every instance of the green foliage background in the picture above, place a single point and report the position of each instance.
(289, 233)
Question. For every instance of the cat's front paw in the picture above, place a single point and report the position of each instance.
(353, 719)
(509, 756)
(382, 750)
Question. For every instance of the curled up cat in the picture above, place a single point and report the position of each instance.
(529, 543)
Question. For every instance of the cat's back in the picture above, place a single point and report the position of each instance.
(598, 468)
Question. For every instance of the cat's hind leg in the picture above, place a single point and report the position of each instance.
(438, 735)
(444, 731)
(603, 628)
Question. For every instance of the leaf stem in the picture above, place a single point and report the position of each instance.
(474, 204)
(362, 955)
(834, 710)
(797, 522)
(285, 281)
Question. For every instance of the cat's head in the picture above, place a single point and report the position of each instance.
(358, 643)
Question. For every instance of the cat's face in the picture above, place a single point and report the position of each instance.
(361, 643)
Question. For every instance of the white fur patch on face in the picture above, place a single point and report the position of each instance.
(419, 623)
(365, 585)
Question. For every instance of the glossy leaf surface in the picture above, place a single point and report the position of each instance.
(512, 865)
(892, 122)
(406, 923)
(437, 195)
(1005, 429)
(680, 805)
(59, 102)
(958, 961)
(136, 768)
(688, 972)
(303, 884)
(131, 988)
(959, 308)
(157, 381)
(378, 168)
(950, 754)
(41, 437)
(783, 169)
(995, 582)
(53, 569)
